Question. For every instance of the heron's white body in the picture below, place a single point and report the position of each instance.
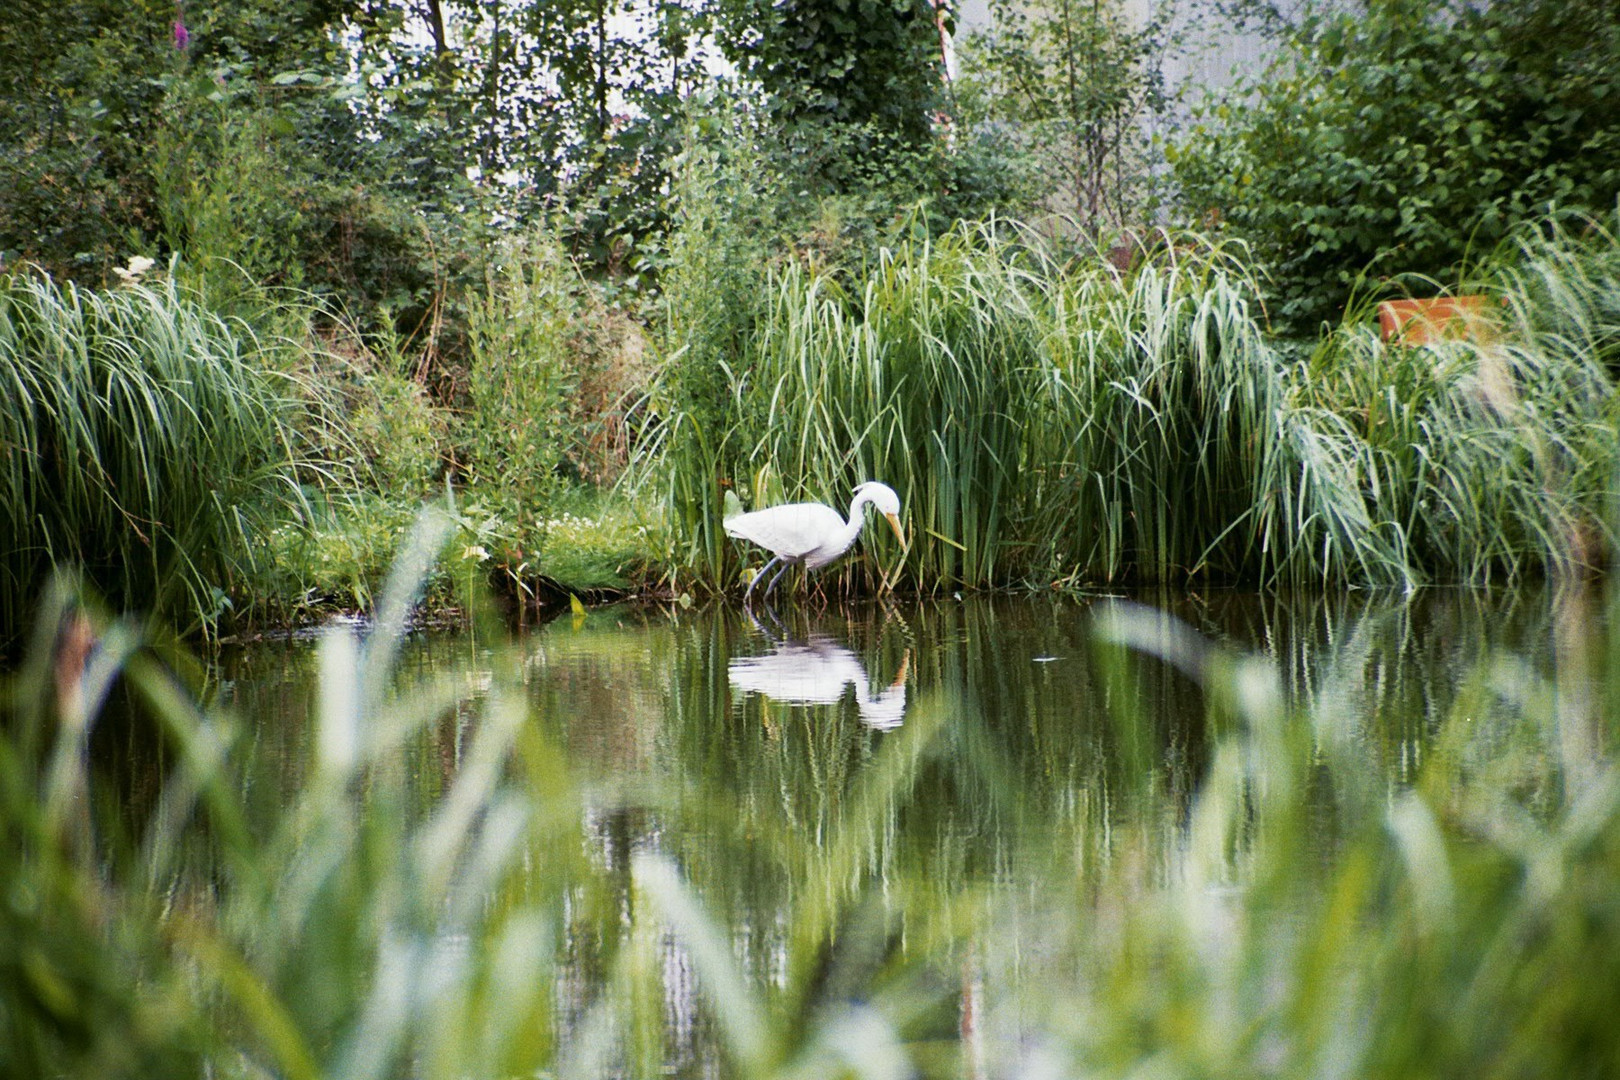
(810, 533)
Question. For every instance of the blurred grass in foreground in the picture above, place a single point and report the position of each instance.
(482, 918)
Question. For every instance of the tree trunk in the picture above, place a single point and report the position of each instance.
(433, 12)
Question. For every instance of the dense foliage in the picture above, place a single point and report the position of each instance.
(1060, 422)
(544, 264)
(1406, 137)
(849, 85)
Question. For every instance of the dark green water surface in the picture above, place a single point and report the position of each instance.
(780, 715)
(921, 753)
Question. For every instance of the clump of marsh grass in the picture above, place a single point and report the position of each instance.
(1043, 422)
(1067, 423)
(1561, 286)
(912, 381)
(146, 441)
(1490, 456)
(1168, 449)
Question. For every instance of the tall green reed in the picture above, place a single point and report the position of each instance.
(1067, 423)
(1043, 423)
(146, 441)
(1491, 456)
(371, 925)
(1169, 447)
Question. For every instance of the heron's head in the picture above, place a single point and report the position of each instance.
(882, 496)
(879, 495)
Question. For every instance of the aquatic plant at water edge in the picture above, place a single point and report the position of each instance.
(1041, 424)
(1067, 423)
(147, 442)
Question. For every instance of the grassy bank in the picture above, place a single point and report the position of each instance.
(390, 907)
(228, 472)
(1049, 421)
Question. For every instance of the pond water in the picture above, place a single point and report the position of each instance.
(787, 707)
(802, 760)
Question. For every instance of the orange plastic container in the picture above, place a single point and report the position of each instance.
(1420, 322)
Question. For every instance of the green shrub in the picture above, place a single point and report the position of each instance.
(520, 377)
(553, 376)
(227, 176)
(400, 433)
(1403, 135)
(713, 291)
(83, 89)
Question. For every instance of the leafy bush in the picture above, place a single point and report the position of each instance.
(867, 73)
(520, 377)
(1399, 136)
(553, 370)
(401, 435)
(81, 83)
(553, 373)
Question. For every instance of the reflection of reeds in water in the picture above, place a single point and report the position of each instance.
(1034, 871)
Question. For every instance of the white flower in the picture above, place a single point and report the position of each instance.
(475, 551)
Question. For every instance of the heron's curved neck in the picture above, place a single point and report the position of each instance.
(857, 519)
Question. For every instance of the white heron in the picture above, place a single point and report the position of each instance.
(809, 533)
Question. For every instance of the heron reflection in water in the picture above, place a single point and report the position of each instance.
(816, 671)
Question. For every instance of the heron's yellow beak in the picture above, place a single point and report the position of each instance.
(894, 523)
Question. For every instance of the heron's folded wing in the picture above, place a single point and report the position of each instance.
(791, 531)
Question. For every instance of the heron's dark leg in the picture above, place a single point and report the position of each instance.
(755, 579)
(774, 580)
